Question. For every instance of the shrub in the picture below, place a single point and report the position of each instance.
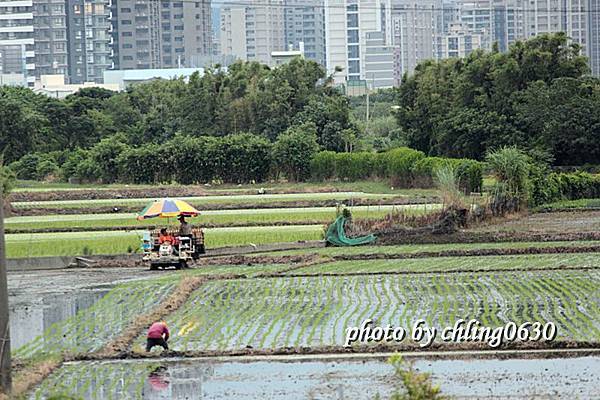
(105, 155)
(400, 163)
(69, 167)
(141, 164)
(323, 165)
(7, 180)
(192, 160)
(354, 166)
(242, 158)
(46, 168)
(294, 150)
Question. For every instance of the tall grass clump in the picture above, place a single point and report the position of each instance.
(510, 167)
(447, 182)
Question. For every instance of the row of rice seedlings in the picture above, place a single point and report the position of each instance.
(90, 329)
(97, 381)
(278, 312)
(449, 264)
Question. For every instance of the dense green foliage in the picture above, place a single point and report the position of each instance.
(7, 180)
(564, 186)
(230, 118)
(403, 166)
(535, 96)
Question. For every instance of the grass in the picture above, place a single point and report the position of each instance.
(570, 205)
(420, 248)
(450, 264)
(203, 200)
(219, 218)
(313, 311)
(119, 242)
(369, 186)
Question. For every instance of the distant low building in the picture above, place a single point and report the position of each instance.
(124, 78)
(54, 86)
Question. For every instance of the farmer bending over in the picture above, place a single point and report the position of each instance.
(158, 334)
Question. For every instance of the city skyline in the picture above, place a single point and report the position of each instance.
(372, 41)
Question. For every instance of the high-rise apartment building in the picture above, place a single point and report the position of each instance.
(252, 31)
(50, 34)
(459, 42)
(350, 27)
(417, 25)
(593, 36)
(89, 41)
(160, 34)
(305, 23)
(16, 39)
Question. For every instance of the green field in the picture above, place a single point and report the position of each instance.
(370, 186)
(422, 248)
(203, 200)
(219, 218)
(451, 264)
(301, 311)
(122, 242)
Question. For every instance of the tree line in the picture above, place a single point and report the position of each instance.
(246, 98)
(538, 96)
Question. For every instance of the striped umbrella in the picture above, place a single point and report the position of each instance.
(167, 208)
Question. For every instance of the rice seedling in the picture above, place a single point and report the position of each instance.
(453, 264)
(117, 242)
(91, 328)
(271, 313)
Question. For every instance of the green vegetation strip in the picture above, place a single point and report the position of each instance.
(200, 200)
(570, 205)
(454, 264)
(422, 248)
(120, 242)
(286, 216)
(315, 311)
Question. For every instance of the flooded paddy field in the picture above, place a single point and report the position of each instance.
(320, 378)
(54, 310)
(316, 311)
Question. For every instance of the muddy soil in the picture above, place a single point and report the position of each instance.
(329, 378)
(558, 222)
(406, 236)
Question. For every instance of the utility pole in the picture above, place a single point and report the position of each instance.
(5, 363)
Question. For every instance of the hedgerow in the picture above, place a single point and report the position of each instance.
(404, 167)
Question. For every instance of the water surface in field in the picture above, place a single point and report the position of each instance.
(330, 378)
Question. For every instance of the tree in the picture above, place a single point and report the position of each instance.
(294, 150)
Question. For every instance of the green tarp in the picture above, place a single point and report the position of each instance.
(336, 235)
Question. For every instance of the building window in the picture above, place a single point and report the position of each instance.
(127, 34)
(353, 51)
(125, 10)
(126, 22)
(352, 21)
(353, 36)
(127, 46)
(354, 67)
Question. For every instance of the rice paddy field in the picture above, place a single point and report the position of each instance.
(273, 325)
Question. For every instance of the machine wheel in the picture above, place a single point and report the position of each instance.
(181, 265)
(153, 267)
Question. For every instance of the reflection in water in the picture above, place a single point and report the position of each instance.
(206, 379)
(31, 318)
